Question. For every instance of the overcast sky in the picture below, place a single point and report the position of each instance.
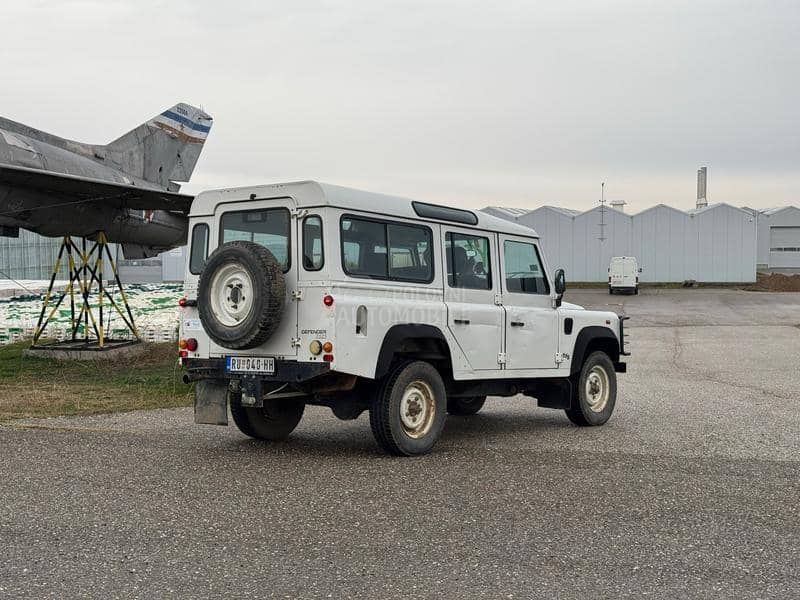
(515, 103)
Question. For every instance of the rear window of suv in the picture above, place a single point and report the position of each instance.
(268, 227)
(386, 250)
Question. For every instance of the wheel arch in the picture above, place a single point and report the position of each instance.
(591, 339)
(426, 342)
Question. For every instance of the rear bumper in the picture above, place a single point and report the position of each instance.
(286, 371)
(214, 384)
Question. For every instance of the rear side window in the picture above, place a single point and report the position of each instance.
(199, 250)
(268, 227)
(468, 261)
(386, 250)
(523, 269)
(313, 253)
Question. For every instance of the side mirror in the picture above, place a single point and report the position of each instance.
(560, 284)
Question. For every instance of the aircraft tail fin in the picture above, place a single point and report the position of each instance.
(166, 148)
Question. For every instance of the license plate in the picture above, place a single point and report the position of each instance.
(250, 364)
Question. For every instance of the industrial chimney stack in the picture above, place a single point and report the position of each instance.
(702, 183)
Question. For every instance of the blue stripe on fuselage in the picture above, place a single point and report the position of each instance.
(185, 121)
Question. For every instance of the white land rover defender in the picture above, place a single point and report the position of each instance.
(306, 293)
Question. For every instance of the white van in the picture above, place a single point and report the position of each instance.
(307, 293)
(623, 275)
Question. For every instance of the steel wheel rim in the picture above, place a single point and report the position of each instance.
(597, 389)
(417, 409)
(231, 294)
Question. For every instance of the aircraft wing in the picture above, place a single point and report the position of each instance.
(85, 189)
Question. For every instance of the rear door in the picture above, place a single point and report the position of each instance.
(531, 319)
(273, 224)
(470, 286)
(617, 271)
(629, 270)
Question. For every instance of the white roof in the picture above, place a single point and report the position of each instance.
(570, 212)
(777, 209)
(307, 194)
(716, 206)
(505, 210)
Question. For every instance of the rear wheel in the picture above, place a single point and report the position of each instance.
(408, 413)
(274, 421)
(464, 407)
(597, 391)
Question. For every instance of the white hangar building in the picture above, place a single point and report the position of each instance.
(716, 243)
(779, 239)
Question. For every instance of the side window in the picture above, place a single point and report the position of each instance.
(409, 252)
(468, 261)
(364, 248)
(268, 227)
(313, 254)
(523, 269)
(380, 250)
(199, 250)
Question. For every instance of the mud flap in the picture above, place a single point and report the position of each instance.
(211, 402)
(555, 393)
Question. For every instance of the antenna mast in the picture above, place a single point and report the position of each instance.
(602, 237)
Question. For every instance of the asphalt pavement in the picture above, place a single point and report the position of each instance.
(691, 490)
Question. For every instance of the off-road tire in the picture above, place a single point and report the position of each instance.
(274, 421)
(464, 407)
(581, 412)
(384, 413)
(269, 295)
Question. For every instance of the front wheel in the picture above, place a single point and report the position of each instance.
(273, 421)
(408, 413)
(596, 393)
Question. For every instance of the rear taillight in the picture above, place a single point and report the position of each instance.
(191, 344)
(327, 300)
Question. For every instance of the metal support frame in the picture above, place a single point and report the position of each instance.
(84, 273)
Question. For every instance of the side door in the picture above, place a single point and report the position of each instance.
(531, 319)
(471, 283)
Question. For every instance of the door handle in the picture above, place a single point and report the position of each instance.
(517, 324)
(461, 321)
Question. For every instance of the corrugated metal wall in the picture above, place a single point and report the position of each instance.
(173, 264)
(716, 244)
(30, 256)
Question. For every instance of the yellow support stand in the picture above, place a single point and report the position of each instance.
(85, 281)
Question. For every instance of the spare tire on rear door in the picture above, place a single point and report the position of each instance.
(241, 295)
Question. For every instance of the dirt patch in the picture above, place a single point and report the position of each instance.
(43, 387)
(775, 282)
